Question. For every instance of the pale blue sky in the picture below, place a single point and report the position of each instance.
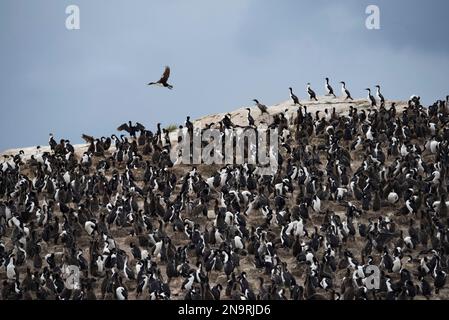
(222, 54)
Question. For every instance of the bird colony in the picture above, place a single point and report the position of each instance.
(360, 192)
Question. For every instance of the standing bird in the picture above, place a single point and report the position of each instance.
(311, 93)
(121, 293)
(329, 90)
(345, 91)
(294, 97)
(90, 226)
(189, 124)
(250, 118)
(227, 121)
(52, 142)
(440, 280)
(380, 96)
(163, 80)
(371, 98)
(11, 270)
(263, 108)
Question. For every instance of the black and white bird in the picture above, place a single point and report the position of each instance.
(163, 80)
(121, 293)
(371, 98)
(294, 97)
(90, 226)
(329, 90)
(345, 91)
(11, 270)
(311, 93)
(52, 142)
(380, 96)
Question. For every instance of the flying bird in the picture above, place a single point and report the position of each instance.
(163, 80)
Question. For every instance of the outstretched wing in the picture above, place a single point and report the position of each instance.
(123, 127)
(166, 75)
(88, 139)
(140, 126)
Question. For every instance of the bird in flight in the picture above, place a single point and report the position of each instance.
(163, 80)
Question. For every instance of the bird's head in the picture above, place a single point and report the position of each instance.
(256, 101)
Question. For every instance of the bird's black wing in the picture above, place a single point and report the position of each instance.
(166, 75)
(123, 127)
(88, 139)
(140, 126)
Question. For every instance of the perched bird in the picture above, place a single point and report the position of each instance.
(250, 118)
(90, 226)
(132, 130)
(345, 91)
(371, 99)
(263, 108)
(294, 97)
(329, 90)
(380, 96)
(311, 93)
(121, 293)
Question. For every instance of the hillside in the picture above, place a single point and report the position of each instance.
(96, 197)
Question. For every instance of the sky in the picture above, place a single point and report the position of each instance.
(222, 55)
